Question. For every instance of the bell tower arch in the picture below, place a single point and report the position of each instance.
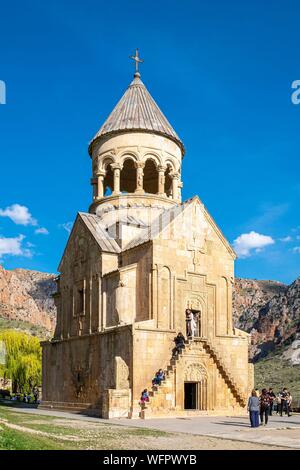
(136, 154)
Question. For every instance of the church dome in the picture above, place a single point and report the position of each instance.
(136, 154)
(137, 112)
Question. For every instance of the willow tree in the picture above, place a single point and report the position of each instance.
(23, 362)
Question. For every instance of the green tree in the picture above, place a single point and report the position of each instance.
(23, 363)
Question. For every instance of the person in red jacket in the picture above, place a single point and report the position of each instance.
(264, 401)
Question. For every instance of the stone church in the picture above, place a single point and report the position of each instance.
(132, 266)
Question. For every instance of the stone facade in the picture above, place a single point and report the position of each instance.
(131, 267)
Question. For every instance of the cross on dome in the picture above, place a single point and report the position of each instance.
(137, 60)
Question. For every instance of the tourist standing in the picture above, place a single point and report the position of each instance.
(36, 394)
(272, 397)
(189, 319)
(253, 409)
(264, 407)
(284, 397)
(289, 404)
(278, 403)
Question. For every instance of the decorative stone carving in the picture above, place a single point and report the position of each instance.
(121, 373)
(195, 373)
(79, 377)
(139, 177)
(161, 180)
(197, 257)
(175, 182)
(116, 167)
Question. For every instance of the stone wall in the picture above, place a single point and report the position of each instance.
(80, 370)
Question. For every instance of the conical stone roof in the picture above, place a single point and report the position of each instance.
(137, 111)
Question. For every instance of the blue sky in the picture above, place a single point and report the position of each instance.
(220, 71)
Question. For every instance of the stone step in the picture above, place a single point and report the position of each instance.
(159, 392)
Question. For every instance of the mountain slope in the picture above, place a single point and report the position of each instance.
(26, 299)
(270, 311)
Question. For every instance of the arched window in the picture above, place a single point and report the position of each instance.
(150, 177)
(168, 181)
(128, 177)
(108, 181)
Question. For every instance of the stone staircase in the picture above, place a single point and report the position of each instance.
(239, 395)
(158, 393)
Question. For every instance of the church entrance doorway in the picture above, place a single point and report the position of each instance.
(190, 395)
(195, 395)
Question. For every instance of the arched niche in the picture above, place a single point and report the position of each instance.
(150, 177)
(128, 176)
(165, 298)
(222, 314)
(168, 180)
(108, 184)
(198, 306)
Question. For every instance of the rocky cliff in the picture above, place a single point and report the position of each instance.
(26, 296)
(270, 311)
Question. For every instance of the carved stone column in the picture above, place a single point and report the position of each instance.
(94, 184)
(116, 168)
(139, 177)
(175, 182)
(100, 186)
(180, 186)
(161, 180)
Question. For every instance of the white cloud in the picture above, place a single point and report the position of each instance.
(18, 214)
(13, 247)
(67, 226)
(286, 239)
(42, 231)
(251, 241)
(296, 249)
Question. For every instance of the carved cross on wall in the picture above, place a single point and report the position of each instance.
(198, 246)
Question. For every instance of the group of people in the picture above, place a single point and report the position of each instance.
(192, 327)
(157, 380)
(159, 377)
(32, 398)
(261, 405)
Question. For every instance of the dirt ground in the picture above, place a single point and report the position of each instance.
(87, 435)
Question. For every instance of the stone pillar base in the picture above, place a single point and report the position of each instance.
(116, 403)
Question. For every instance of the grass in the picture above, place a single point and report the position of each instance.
(274, 372)
(11, 439)
(61, 433)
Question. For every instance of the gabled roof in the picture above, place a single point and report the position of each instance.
(163, 221)
(137, 111)
(95, 227)
(93, 223)
(147, 233)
